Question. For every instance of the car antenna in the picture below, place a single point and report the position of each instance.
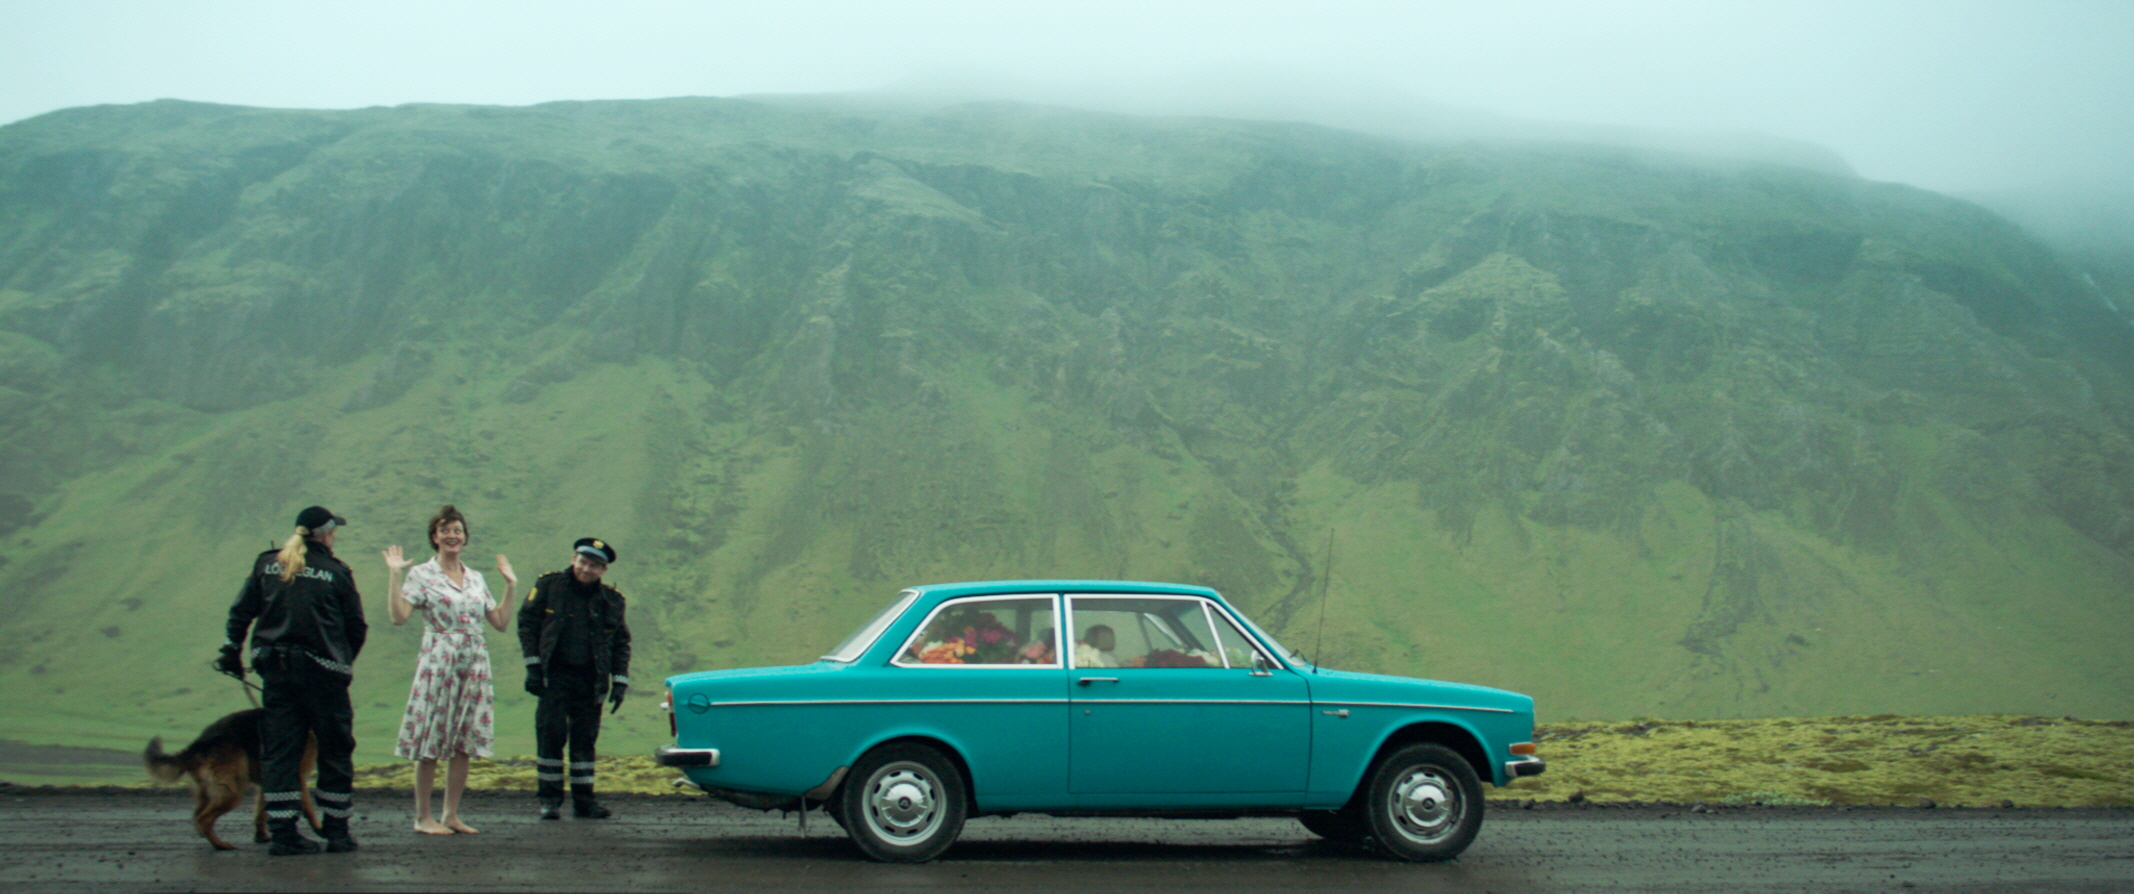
(1324, 583)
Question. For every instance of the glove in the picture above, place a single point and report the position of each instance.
(615, 693)
(533, 682)
(230, 662)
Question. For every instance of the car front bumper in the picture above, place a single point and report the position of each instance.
(1525, 766)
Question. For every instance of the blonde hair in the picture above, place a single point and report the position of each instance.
(292, 554)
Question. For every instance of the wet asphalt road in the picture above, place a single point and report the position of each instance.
(102, 841)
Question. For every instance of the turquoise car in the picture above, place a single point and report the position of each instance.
(1093, 698)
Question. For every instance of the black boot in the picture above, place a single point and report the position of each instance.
(285, 841)
(583, 806)
(338, 839)
(548, 772)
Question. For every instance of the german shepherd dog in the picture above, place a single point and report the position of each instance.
(223, 762)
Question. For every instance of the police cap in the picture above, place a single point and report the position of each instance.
(319, 520)
(596, 549)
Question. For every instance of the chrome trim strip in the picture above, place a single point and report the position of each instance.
(1413, 705)
(1187, 701)
(1015, 701)
(897, 701)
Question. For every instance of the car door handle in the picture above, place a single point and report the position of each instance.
(1088, 680)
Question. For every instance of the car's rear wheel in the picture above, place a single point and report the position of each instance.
(1345, 825)
(1423, 803)
(903, 803)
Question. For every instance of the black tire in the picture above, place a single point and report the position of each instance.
(835, 810)
(1344, 825)
(1423, 803)
(903, 803)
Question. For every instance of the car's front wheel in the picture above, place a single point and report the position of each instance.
(1423, 803)
(903, 803)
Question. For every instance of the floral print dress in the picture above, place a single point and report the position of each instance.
(451, 706)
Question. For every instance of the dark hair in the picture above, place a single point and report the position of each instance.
(444, 517)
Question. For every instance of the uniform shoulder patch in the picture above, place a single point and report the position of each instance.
(534, 592)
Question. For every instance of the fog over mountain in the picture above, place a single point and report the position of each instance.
(1952, 95)
(1272, 95)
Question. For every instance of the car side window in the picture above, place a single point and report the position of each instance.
(1237, 648)
(1020, 630)
(1119, 632)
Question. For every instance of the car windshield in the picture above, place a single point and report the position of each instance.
(1282, 650)
(849, 650)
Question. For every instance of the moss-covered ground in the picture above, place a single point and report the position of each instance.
(1978, 760)
(1974, 761)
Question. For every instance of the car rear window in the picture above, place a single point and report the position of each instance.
(996, 631)
(849, 650)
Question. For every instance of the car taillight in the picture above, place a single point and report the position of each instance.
(666, 703)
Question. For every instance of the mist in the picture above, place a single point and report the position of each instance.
(1266, 94)
(1951, 96)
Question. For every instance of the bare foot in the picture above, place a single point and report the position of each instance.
(431, 827)
(461, 827)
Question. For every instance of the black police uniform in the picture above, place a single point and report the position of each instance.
(577, 646)
(306, 634)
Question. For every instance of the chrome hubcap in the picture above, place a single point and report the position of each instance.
(902, 804)
(1425, 806)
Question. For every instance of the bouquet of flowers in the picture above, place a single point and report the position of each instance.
(968, 636)
(1173, 658)
(950, 652)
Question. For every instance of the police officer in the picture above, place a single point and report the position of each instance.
(577, 647)
(306, 622)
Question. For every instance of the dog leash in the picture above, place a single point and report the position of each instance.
(250, 690)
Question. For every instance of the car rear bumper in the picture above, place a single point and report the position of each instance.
(670, 756)
(1525, 766)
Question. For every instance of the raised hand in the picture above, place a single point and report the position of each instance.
(394, 561)
(503, 567)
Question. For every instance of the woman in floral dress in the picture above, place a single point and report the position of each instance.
(450, 712)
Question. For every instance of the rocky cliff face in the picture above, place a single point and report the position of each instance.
(1691, 436)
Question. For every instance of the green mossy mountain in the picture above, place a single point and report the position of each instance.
(1638, 434)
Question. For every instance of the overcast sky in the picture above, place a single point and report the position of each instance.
(1954, 96)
